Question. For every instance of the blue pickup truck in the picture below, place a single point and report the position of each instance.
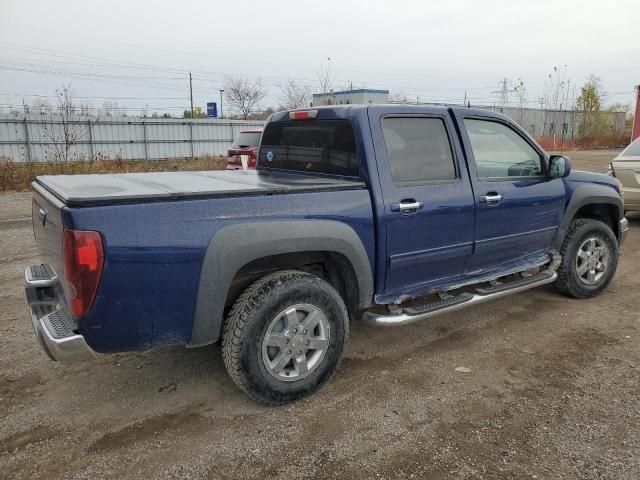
(387, 214)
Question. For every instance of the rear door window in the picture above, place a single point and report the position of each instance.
(318, 146)
(418, 150)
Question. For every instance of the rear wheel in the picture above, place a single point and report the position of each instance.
(589, 258)
(285, 336)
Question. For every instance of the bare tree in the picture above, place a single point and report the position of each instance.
(294, 95)
(243, 95)
(41, 107)
(111, 109)
(326, 79)
(85, 108)
(555, 93)
(521, 94)
(62, 129)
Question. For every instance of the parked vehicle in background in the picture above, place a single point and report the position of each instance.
(626, 168)
(247, 143)
(398, 211)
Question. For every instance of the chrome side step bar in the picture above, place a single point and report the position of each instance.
(467, 300)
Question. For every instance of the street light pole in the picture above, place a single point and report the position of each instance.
(221, 92)
(191, 94)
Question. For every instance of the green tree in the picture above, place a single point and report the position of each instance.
(590, 102)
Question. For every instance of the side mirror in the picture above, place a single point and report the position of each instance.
(559, 166)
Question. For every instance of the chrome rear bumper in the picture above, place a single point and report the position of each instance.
(53, 324)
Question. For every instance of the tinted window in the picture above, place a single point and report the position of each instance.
(321, 146)
(418, 150)
(501, 152)
(247, 139)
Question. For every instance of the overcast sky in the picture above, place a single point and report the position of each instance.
(139, 52)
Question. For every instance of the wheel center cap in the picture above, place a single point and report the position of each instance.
(297, 341)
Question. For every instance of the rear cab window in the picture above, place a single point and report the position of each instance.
(315, 146)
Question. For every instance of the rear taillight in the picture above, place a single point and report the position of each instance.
(83, 260)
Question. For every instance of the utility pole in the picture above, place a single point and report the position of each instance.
(504, 93)
(191, 94)
(221, 92)
(544, 115)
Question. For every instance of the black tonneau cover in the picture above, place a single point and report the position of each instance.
(83, 190)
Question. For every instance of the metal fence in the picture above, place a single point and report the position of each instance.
(30, 138)
(567, 123)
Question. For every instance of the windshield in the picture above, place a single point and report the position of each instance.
(320, 146)
(632, 150)
(247, 139)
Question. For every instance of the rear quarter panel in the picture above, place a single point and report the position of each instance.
(154, 253)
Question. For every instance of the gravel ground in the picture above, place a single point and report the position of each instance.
(553, 392)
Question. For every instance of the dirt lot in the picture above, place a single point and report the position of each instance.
(553, 392)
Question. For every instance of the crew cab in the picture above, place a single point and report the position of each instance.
(387, 214)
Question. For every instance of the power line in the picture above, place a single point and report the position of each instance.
(89, 97)
(207, 75)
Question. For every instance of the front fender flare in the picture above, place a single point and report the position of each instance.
(587, 194)
(235, 246)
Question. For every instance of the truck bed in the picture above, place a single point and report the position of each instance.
(83, 190)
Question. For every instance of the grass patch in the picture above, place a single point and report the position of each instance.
(18, 176)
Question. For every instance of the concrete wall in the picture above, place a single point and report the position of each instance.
(33, 138)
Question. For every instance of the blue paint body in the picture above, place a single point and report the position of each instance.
(154, 250)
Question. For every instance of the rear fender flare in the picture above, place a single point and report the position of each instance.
(235, 246)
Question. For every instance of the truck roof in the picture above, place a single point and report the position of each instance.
(342, 111)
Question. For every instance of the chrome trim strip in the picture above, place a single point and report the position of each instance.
(405, 319)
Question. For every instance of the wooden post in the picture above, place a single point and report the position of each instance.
(26, 139)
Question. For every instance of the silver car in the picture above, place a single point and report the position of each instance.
(626, 168)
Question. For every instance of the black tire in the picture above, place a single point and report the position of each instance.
(248, 323)
(569, 282)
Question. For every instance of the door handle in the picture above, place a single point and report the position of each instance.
(406, 206)
(491, 198)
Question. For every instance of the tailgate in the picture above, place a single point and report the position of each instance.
(46, 216)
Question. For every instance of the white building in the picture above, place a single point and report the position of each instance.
(359, 96)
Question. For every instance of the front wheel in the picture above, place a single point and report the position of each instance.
(589, 259)
(285, 336)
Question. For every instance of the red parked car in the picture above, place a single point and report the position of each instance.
(247, 143)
